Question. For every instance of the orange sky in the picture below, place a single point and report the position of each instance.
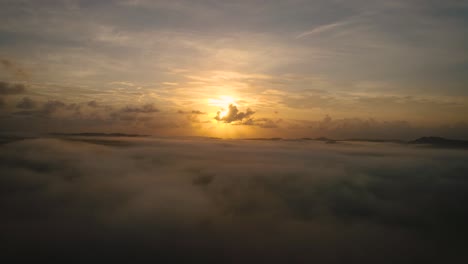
(289, 68)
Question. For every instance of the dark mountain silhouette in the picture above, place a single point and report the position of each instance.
(9, 139)
(441, 142)
(270, 139)
(322, 139)
(376, 140)
(92, 134)
(326, 140)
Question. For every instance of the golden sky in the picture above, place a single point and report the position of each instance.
(380, 69)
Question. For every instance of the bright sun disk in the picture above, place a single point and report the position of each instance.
(223, 113)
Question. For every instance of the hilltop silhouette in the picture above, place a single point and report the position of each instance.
(440, 142)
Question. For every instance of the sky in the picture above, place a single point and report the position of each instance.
(235, 69)
(151, 200)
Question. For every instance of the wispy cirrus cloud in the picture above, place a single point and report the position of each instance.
(323, 29)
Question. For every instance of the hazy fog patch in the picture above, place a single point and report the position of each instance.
(251, 200)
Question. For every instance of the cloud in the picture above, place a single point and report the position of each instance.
(198, 112)
(147, 108)
(9, 88)
(370, 128)
(93, 104)
(323, 28)
(262, 122)
(49, 109)
(14, 69)
(53, 106)
(193, 112)
(193, 117)
(212, 201)
(26, 103)
(31, 116)
(234, 115)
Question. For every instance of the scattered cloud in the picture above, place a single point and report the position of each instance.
(52, 106)
(14, 69)
(93, 104)
(26, 103)
(10, 88)
(193, 112)
(233, 114)
(198, 112)
(147, 108)
(262, 122)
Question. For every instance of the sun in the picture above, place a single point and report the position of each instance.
(223, 113)
(223, 101)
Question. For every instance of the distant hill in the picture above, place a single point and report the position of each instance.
(326, 140)
(9, 139)
(98, 135)
(270, 139)
(441, 142)
(376, 140)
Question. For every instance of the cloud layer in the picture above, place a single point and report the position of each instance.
(216, 201)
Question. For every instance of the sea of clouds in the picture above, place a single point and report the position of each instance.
(150, 200)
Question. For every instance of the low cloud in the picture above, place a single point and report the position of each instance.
(93, 104)
(49, 108)
(233, 115)
(26, 103)
(31, 116)
(14, 69)
(362, 128)
(150, 200)
(193, 112)
(262, 122)
(197, 112)
(148, 108)
(11, 88)
(53, 106)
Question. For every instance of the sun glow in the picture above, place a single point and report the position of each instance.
(223, 113)
(223, 101)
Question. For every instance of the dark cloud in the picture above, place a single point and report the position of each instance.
(52, 106)
(47, 109)
(14, 68)
(262, 122)
(2, 102)
(234, 115)
(347, 128)
(148, 108)
(26, 103)
(136, 114)
(93, 104)
(9, 88)
(193, 112)
(210, 201)
(193, 117)
(60, 116)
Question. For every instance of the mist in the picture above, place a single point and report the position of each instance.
(85, 200)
